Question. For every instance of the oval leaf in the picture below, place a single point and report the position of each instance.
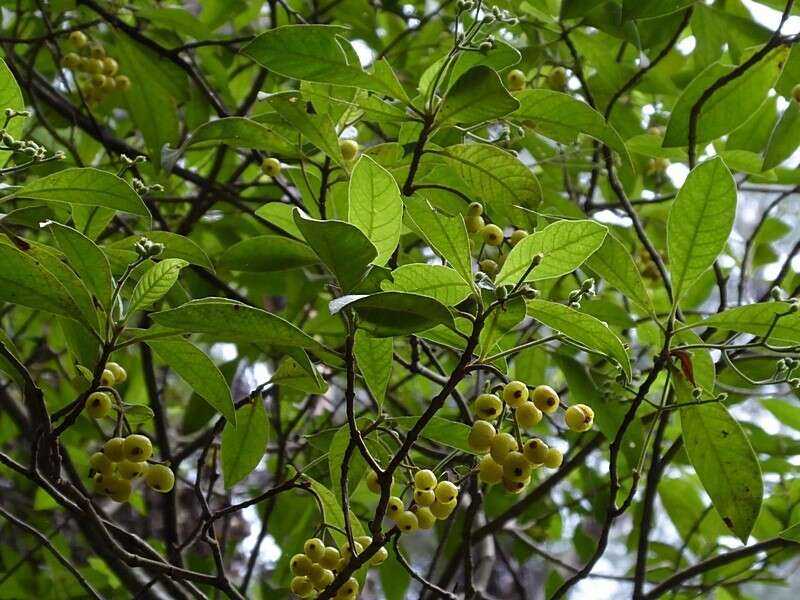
(244, 445)
(155, 283)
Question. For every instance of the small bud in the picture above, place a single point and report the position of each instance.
(776, 293)
(537, 259)
(697, 393)
(721, 397)
(501, 293)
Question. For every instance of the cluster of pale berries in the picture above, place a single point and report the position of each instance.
(100, 70)
(316, 567)
(491, 235)
(505, 462)
(272, 166)
(122, 460)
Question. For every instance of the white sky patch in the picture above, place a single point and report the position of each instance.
(686, 45)
(609, 217)
(677, 173)
(224, 352)
(365, 54)
(771, 18)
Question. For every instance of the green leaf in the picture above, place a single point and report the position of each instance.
(583, 328)
(700, 221)
(311, 53)
(445, 234)
(175, 246)
(24, 281)
(155, 283)
(84, 186)
(88, 261)
(477, 96)
(244, 442)
(280, 215)
(267, 253)
(561, 117)
(649, 9)
(564, 246)
(375, 206)
(318, 129)
(199, 371)
(500, 322)
(437, 281)
(728, 107)
(374, 360)
(783, 140)
(344, 249)
(759, 319)
(496, 177)
(785, 412)
(332, 512)
(233, 321)
(240, 132)
(613, 262)
(291, 373)
(137, 413)
(10, 97)
(723, 460)
(792, 533)
(387, 314)
(440, 430)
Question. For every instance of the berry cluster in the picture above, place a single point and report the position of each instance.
(101, 77)
(316, 567)
(99, 404)
(492, 236)
(124, 460)
(433, 499)
(508, 460)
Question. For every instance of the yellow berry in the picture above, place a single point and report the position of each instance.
(119, 489)
(110, 67)
(132, 470)
(348, 591)
(489, 471)
(425, 518)
(138, 448)
(70, 61)
(379, 557)
(528, 415)
(100, 463)
(518, 236)
(579, 417)
(516, 80)
(425, 480)
(94, 65)
(98, 483)
(320, 577)
(107, 378)
(557, 78)
(515, 487)
(77, 39)
(301, 587)
(407, 522)
(481, 436)
(349, 149)
(300, 564)
(395, 507)
(553, 458)
(546, 399)
(271, 166)
(488, 406)
(474, 223)
(488, 266)
(515, 393)
(120, 374)
(314, 549)
(446, 491)
(442, 510)
(424, 497)
(516, 467)
(475, 209)
(330, 558)
(492, 235)
(97, 52)
(535, 451)
(99, 81)
(796, 93)
(160, 478)
(98, 405)
(122, 83)
(114, 449)
(347, 552)
(502, 445)
(373, 484)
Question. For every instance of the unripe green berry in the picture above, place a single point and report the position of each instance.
(98, 405)
(475, 209)
(110, 67)
(557, 79)
(71, 61)
(518, 236)
(300, 564)
(515, 393)
(488, 406)
(271, 166)
(373, 485)
(553, 458)
(120, 374)
(114, 449)
(107, 378)
(132, 470)
(348, 591)
(97, 52)
(488, 266)
(489, 471)
(330, 558)
(320, 577)
(528, 415)
(474, 224)
(546, 399)
(535, 450)
(160, 478)
(481, 436)
(100, 463)
(94, 65)
(138, 448)
(349, 149)
(122, 83)
(516, 80)
(301, 587)
(78, 39)
(503, 444)
(492, 235)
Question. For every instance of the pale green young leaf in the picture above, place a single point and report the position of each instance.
(199, 371)
(564, 246)
(292, 374)
(10, 97)
(374, 360)
(87, 259)
(375, 206)
(722, 458)
(437, 281)
(244, 442)
(584, 329)
(155, 283)
(700, 222)
(783, 139)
